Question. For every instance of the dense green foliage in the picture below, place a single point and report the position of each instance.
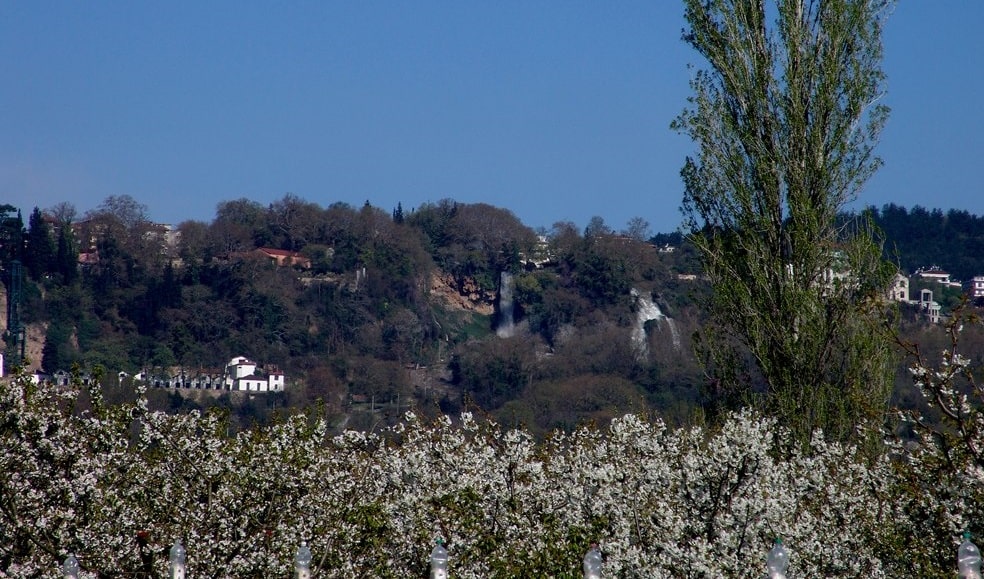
(921, 238)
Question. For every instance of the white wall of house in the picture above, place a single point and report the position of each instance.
(252, 384)
(240, 367)
(935, 275)
(900, 288)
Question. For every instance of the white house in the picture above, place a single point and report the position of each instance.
(899, 291)
(241, 376)
(240, 367)
(928, 305)
(977, 286)
(936, 274)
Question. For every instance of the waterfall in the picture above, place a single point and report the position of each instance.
(647, 310)
(674, 333)
(505, 324)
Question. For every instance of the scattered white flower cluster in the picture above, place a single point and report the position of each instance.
(944, 472)
(117, 485)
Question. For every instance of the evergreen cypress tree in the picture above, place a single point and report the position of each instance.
(39, 257)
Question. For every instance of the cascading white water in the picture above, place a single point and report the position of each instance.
(674, 333)
(647, 310)
(506, 325)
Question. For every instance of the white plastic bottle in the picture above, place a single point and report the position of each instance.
(302, 562)
(439, 561)
(177, 559)
(70, 569)
(592, 563)
(778, 561)
(968, 559)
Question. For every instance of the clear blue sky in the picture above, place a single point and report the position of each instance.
(554, 110)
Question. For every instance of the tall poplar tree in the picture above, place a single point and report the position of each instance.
(785, 117)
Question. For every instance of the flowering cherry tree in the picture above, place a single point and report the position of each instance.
(117, 484)
(941, 474)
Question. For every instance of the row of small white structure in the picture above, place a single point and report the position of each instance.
(776, 562)
(240, 375)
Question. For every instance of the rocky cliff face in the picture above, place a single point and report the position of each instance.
(466, 295)
(34, 335)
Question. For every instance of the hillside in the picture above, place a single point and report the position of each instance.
(360, 306)
(446, 307)
(922, 238)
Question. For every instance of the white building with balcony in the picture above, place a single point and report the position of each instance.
(977, 286)
(241, 376)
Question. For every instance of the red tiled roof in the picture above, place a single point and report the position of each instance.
(280, 252)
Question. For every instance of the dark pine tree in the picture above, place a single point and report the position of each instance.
(67, 256)
(39, 255)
